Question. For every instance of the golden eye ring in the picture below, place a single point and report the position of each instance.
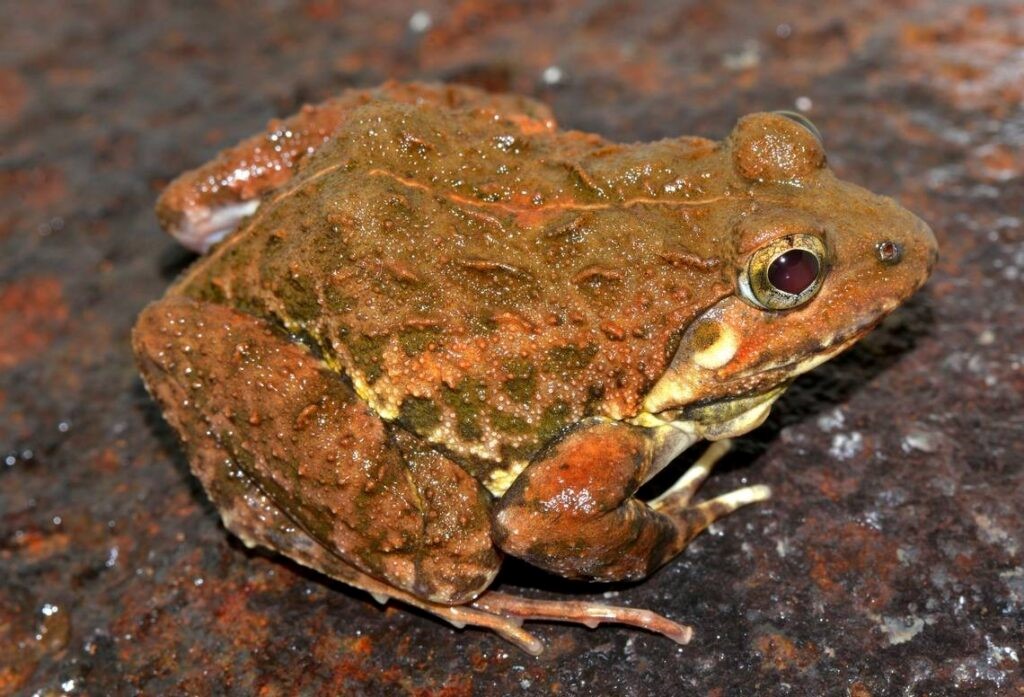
(785, 273)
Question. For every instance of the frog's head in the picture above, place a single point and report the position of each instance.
(816, 264)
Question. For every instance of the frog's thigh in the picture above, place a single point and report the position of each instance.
(572, 509)
(253, 517)
(248, 401)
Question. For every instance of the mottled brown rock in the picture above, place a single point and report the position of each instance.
(906, 453)
(31, 311)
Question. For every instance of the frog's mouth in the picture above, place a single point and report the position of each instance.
(721, 418)
(723, 410)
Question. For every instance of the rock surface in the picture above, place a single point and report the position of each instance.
(889, 561)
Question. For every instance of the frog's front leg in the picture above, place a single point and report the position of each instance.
(572, 511)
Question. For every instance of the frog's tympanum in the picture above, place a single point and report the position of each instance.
(430, 330)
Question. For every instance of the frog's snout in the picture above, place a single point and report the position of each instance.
(930, 244)
(911, 254)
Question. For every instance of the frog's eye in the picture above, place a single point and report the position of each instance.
(785, 273)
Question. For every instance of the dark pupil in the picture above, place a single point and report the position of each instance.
(794, 271)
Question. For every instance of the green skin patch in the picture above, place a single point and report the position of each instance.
(467, 399)
(416, 341)
(522, 386)
(420, 415)
(569, 359)
(298, 293)
(509, 423)
(368, 355)
(554, 418)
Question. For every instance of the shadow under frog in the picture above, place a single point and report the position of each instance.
(432, 330)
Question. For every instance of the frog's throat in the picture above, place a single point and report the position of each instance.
(716, 420)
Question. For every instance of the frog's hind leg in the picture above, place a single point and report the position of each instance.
(250, 515)
(204, 205)
(582, 612)
(266, 408)
(296, 463)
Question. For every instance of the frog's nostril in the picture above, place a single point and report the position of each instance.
(889, 253)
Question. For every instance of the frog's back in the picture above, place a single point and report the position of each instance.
(486, 280)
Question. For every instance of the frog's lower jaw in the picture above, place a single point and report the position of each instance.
(677, 430)
(716, 420)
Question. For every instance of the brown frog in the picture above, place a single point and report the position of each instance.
(440, 330)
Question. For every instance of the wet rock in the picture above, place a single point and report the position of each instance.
(889, 560)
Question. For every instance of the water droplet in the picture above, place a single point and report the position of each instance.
(420, 21)
(552, 75)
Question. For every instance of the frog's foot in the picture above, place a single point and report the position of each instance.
(675, 501)
(504, 614)
(505, 624)
(582, 612)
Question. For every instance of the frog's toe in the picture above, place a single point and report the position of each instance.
(683, 490)
(582, 612)
(692, 519)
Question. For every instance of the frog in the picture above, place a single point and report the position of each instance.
(431, 330)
